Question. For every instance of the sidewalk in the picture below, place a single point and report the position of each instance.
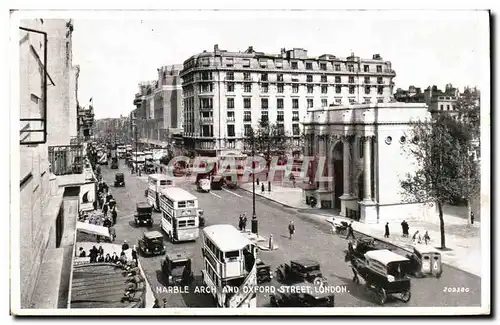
(463, 240)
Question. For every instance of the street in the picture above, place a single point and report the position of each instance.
(313, 239)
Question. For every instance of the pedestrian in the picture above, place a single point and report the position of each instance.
(164, 302)
(134, 254)
(100, 250)
(82, 253)
(263, 188)
(405, 227)
(240, 222)
(386, 234)
(93, 254)
(112, 234)
(105, 209)
(471, 218)
(107, 259)
(125, 245)
(416, 237)
(244, 222)
(94, 204)
(156, 304)
(114, 215)
(427, 238)
(291, 229)
(350, 231)
(114, 258)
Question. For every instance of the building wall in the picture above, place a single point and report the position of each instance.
(209, 75)
(73, 101)
(37, 192)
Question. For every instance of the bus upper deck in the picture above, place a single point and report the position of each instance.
(180, 214)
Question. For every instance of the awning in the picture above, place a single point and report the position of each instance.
(92, 229)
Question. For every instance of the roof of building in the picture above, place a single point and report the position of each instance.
(226, 237)
(102, 285)
(177, 194)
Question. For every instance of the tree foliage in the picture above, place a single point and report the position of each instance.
(267, 139)
(445, 164)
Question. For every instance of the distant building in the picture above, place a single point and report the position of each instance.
(228, 93)
(442, 101)
(412, 95)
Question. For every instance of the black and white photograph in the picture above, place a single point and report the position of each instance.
(249, 162)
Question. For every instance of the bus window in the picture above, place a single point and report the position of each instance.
(181, 204)
(190, 223)
(163, 182)
(190, 204)
(182, 223)
(232, 255)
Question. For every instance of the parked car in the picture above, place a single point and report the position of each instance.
(176, 268)
(151, 243)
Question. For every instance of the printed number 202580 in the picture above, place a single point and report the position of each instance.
(455, 289)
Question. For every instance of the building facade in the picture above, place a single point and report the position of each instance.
(227, 93)
(159, 107)
(363, 146)
(48, 121)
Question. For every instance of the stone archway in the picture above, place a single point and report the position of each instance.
(337, 158)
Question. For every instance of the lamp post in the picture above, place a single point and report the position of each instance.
(255, 225)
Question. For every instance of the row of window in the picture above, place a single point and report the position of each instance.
(264, 88)
(295, 78)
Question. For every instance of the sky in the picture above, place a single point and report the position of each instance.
(116, 51)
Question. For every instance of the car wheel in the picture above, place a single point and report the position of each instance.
(406, 296)
(382, 295)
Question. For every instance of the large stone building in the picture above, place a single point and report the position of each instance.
(227, 93)
(48, 121)
(159, 107)
(365, 159)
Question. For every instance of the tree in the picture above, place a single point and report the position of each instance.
(444, 167)
(269, 140)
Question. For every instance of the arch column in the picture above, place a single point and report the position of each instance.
(367, 170)
(346, 161)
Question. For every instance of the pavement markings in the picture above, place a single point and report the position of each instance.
(214, 194)
(231, 192)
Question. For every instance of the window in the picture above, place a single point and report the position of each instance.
(367, 80)
(279, 102)
(338, 101)
(279, 77)
(230, 116)
(324, 102)
(281, 128)
(247, 130)
(264, 103)
(230, 130)
(351, 89)
(247, 103)
(295, 89)
(338, 89)
(206, 103)
(190, 223)
(206, 88)
(229, 75)
(351, 79)
(324, 89)
(280, 88)
(337, 80)
(205, 62)
(206, 76)
(380, 100)
(367, 89)
(264, 88)
(324, 78)
(182, 223)
(263, 63)
(248, 88)
(281, 116)
(230, 103)
(278, 64)
(380, 90)
(366, 68)
(295, 129)
(309, 66)
(295, 116)
(379, 68)
(295, 65)
(229, 62)
(337, 67)
(309, 78)
(310, 89)
(441, 107)
(350, 68)
(230, 87)
(263, 77)
(380, 80)
(310, 103)
(448, 107)
(367, 100)
(322, 66)
(295, 103)
(246, 63)
(264, 116)
(247, 116)
(246, 76)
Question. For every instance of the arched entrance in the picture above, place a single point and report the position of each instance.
(338, 173)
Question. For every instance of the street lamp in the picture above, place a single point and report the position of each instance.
(255, 224)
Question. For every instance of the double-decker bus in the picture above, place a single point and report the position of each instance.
(229, 267)
(180, 214)
(137, 159)
(157, 182)
(121, 151)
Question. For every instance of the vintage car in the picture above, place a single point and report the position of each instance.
(384, 272)
(151, 243)
(425, 261)
(119, 180)
(303, 294)
(300, 271)
(114, 163)
(216, 182)
(203, 185)
(176, 268)
(143, 214)
(264, 273)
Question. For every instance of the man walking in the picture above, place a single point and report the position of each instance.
(386, 234)
(291, 229)
(405, 227)
(244, 222)
(350, 232)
